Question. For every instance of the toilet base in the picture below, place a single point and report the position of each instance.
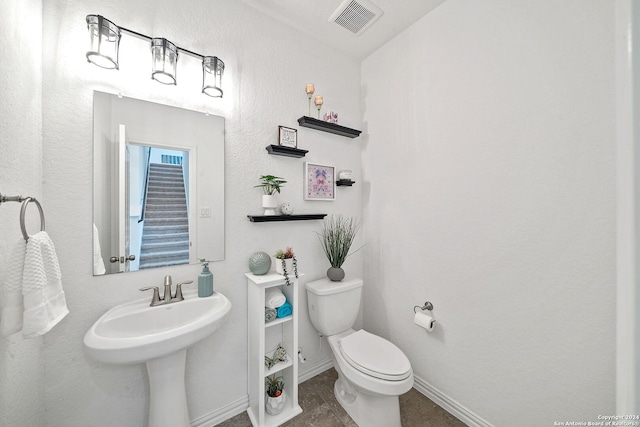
(367, 410)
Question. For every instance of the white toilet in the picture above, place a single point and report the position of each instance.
(372, 372)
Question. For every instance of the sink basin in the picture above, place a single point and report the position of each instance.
(134, 332)
(159, 336)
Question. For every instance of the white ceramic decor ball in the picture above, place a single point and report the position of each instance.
(260, 263)
(286, 208)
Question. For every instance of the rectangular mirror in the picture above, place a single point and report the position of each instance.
(158, 185)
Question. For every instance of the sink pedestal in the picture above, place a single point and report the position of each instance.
(168, 398)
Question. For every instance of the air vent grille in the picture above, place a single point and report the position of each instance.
(356, 16)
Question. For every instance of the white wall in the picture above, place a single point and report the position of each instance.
(21, 361)
(491, 149)
(490, 126)
(267, 67)
(628, 220)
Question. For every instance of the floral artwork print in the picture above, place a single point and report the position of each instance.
(320, 183)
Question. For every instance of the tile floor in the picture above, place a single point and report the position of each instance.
(321, 409)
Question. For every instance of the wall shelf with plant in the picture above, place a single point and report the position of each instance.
(270, 185)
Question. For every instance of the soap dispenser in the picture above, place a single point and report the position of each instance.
(205, 280)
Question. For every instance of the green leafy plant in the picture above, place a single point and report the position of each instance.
(286, 254)
(273, 385)
(282, 256)
(337, 237)
(271, 184)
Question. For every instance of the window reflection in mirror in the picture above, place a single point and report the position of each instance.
(158, 185)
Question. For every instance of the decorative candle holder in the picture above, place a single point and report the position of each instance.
(310, 89)
(318, 101)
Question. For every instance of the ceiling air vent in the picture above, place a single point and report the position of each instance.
(356, 16)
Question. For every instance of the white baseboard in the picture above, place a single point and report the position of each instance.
(313, 370)
(454, 408)
(219, 415)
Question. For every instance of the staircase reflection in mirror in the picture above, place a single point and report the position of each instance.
(165, 230)
(149, 210)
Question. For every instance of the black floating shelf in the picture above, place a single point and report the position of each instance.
(345, 182)
(272, 218)
(310, 122)
(281, 150)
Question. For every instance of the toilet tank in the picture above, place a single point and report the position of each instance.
(333, 306)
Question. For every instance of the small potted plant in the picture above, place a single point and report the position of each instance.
(336, 239)
(285, 263)
(270, 185)
(276, 396)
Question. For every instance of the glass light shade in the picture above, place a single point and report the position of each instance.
(212, 71)
(164, 61)
(104, 41)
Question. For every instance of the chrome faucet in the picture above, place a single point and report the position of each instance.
(167, 298)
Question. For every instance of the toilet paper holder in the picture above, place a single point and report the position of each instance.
(427, 306)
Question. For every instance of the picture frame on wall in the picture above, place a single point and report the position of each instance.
(287, 137)
(319, 182)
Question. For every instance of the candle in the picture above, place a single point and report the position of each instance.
(318, 100)
(310, 89)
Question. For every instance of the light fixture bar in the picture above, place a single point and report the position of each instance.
(211, 86)
(188, 52)
(135, 33)
(149, 38)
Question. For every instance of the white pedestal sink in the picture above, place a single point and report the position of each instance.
(158, 336)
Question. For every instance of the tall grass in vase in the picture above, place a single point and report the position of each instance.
(336, 239)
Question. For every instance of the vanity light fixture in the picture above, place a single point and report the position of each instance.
(104, 38)
(164, 61)
(212, 71)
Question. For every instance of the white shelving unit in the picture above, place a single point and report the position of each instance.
(263, 340)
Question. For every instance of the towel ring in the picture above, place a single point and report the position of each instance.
(23, 210)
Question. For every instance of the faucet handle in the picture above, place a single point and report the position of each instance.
(179, 289)
(156, 294)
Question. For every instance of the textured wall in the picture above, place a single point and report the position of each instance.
(488, 189)
(22, 394)
(267, 66)
(492, 151)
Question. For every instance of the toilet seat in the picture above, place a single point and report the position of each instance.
(375, 356)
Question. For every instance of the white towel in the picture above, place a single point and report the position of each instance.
(41, 285)
(44, 301)
(98, 262)
(274, 298)
(12, 305)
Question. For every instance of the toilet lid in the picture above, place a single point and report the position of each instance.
(375, 356)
